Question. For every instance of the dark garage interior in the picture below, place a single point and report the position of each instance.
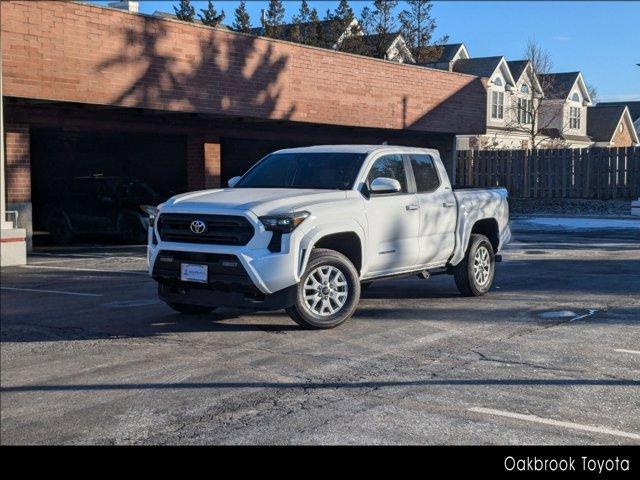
(58, 156)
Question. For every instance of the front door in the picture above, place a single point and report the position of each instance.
(393, 220)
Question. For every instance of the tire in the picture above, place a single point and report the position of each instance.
(339, 269)
(469, 284)
(131, 231)
(191, 309)
(59, 229)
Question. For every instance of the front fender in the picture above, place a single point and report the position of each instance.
(317, 232)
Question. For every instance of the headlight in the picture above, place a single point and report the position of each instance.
(285, 223)
(151, 211)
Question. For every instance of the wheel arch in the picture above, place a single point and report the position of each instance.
(347, 241)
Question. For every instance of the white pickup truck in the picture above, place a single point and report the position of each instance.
(306, 228)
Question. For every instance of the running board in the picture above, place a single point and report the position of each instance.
(424, 274)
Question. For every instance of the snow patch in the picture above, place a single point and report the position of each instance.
(581, 223)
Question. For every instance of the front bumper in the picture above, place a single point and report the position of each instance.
(267, 272)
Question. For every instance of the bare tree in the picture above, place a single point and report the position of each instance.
(529, 114)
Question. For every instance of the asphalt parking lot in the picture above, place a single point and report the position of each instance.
(550, 356)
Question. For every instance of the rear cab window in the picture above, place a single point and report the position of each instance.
(424, 172)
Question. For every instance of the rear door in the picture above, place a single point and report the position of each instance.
(393, 219)
(438, 214)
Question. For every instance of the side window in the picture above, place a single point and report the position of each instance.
(389, 166)
(424, 170)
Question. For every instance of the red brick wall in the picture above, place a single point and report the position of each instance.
(203, 162)
(622, 138)
(18, 165)
(88, 54)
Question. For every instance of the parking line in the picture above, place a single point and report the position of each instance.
(622, 350)
(52, 291)
(556, 423)
(84, 269)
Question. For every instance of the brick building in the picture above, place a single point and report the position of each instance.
(89, 89)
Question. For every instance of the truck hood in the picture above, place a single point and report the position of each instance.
(261, 201)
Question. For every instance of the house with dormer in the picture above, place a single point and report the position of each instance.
(563, 110)
(443, 56)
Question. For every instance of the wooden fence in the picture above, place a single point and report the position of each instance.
(564, 173)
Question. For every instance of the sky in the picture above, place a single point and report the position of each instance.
(599, 38)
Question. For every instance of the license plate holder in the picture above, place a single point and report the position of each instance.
(190, 272)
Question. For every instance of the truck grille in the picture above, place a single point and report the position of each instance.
(220, 229)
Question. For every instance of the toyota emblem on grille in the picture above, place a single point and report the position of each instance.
(198, 226)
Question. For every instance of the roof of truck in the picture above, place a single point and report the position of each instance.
(352, 149)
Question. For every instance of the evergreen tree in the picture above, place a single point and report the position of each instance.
(185, 11)
(242, 22)
(305, 29)
(210, 16)
(380, 23)
(417, 27)
(340, 21)
(273, 19)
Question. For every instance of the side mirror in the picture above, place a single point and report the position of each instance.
(385, 185)
(232, 181)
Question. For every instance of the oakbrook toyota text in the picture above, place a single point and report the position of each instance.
(306, 228)
(569, 464)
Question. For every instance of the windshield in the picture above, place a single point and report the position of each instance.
(326, 171)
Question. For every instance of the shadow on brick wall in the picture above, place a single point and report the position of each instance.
(229, 74)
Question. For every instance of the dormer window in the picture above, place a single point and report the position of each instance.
(575, 97)
(524, 88)
(574, 118)
(497, 82)
(497, 105)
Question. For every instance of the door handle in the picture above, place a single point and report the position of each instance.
(413, 206)
(448, 204)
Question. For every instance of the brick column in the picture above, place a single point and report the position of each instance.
(203, 162)
(18, 175)
(17, 163)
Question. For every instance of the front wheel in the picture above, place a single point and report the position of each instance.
(328, 292)
(131, 231)
(474, 275)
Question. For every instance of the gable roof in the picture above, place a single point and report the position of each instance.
(602, 121)
(368, 45)
(483, 67)
(517, 67)
(561, 85)
(444, 53)
(634, 108)
(480, 67)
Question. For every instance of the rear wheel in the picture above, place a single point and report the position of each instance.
(59, 229)
(191, 309)
(474, 275)
(328, 292)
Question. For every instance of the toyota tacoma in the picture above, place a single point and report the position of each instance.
(305, 229)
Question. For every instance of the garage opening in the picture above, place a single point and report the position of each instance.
(91, 182)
